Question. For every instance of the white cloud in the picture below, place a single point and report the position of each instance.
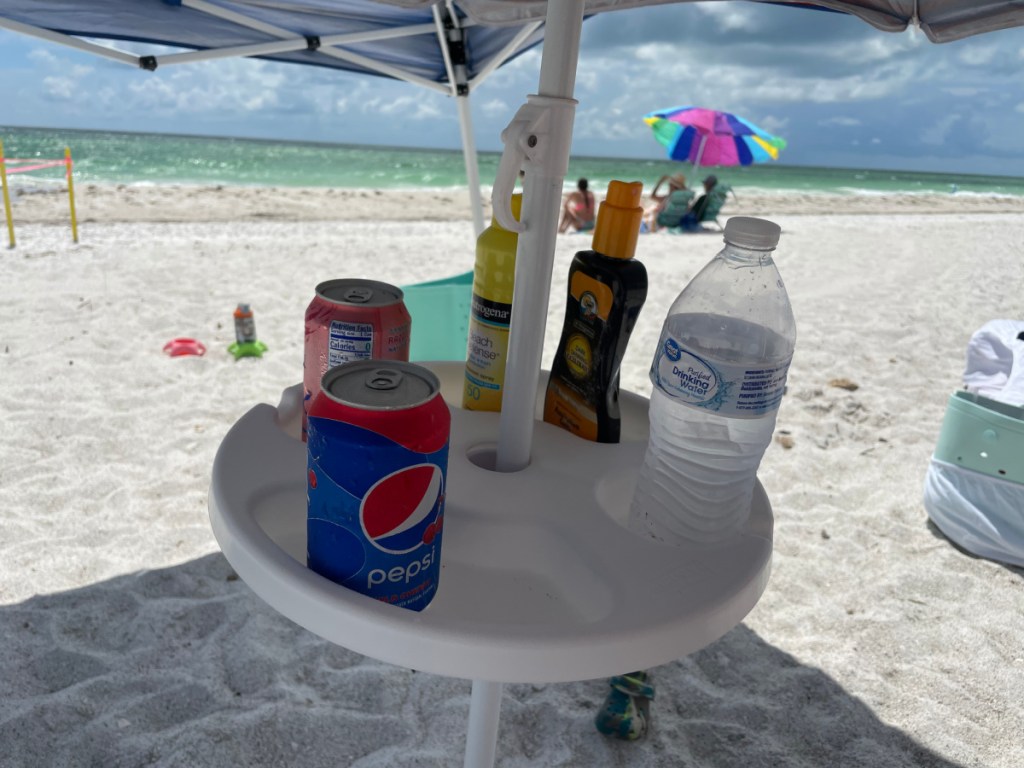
(608, 124)
(776, 125)
(256, 102)
(768, 82)
(68, 81)
(661, 53)
(59, 87)
(406, 107)
(348, 99)
(874, 50)
(522, 69)
(589, 79)
(964, 92)
(42, 58)
(729, 17)
(231, 86)
(496, 108)
(978, 55)
(937, 133)
(846, 122)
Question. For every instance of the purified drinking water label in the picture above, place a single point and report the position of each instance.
(349, 341)
(728, 388)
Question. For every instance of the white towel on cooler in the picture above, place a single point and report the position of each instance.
(995, 361)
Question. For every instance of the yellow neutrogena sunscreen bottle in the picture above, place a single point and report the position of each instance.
(490, 315)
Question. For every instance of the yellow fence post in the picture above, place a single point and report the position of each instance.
(7, 196)
(71, 194)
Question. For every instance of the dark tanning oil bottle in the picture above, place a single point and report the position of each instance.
(607, 289)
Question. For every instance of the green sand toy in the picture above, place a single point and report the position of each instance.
(247, 349)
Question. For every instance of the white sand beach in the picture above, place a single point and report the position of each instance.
(127, 640)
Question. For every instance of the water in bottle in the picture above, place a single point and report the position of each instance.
(719, 373)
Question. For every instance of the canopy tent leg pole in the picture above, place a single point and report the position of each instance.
(472, 168)
(482, 734)
(453, 49)
(538, 140)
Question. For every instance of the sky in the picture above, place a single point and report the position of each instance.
(841, 93)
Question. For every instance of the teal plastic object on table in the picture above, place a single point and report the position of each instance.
(983, 435)
(440, 317)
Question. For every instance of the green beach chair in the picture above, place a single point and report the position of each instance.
(716, 199)
(678, 204)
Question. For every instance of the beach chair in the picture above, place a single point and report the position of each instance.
(716, 200)
(676, 206)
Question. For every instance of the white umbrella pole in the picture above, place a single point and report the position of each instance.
(470, 159)
(538, 140)
(482, 732)
(700, 155)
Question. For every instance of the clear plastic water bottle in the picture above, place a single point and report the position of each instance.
(719, 374)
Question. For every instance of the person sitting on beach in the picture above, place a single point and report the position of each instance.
(690, 222)
(579, 210)
(670, 205)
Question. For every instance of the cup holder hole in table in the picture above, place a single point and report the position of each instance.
(484, 455)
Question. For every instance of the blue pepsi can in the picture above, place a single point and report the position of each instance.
(377, 462)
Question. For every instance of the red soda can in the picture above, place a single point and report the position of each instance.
(347, 320)
(377, 465)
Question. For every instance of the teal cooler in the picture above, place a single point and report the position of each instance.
(440, 317)
(974, 490)
(983, 435)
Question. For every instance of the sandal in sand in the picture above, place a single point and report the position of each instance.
(627, 709)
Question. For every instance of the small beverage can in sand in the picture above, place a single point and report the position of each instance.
(246, 344)
(351, 319)
(377, 461)
(245, 325)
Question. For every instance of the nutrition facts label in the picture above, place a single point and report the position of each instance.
(349, 341)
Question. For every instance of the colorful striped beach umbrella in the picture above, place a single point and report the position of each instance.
(710, 137)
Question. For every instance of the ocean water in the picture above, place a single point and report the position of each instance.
(139, 158)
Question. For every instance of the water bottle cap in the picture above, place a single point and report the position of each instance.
(748, 232)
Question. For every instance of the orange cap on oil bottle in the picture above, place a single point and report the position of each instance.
(618, 220)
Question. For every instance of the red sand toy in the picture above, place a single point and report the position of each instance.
(183, 346)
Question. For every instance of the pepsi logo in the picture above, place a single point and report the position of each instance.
(402, 511)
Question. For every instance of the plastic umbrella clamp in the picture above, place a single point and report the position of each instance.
(711, 137)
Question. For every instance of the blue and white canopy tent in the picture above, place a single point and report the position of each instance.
(433, 45)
